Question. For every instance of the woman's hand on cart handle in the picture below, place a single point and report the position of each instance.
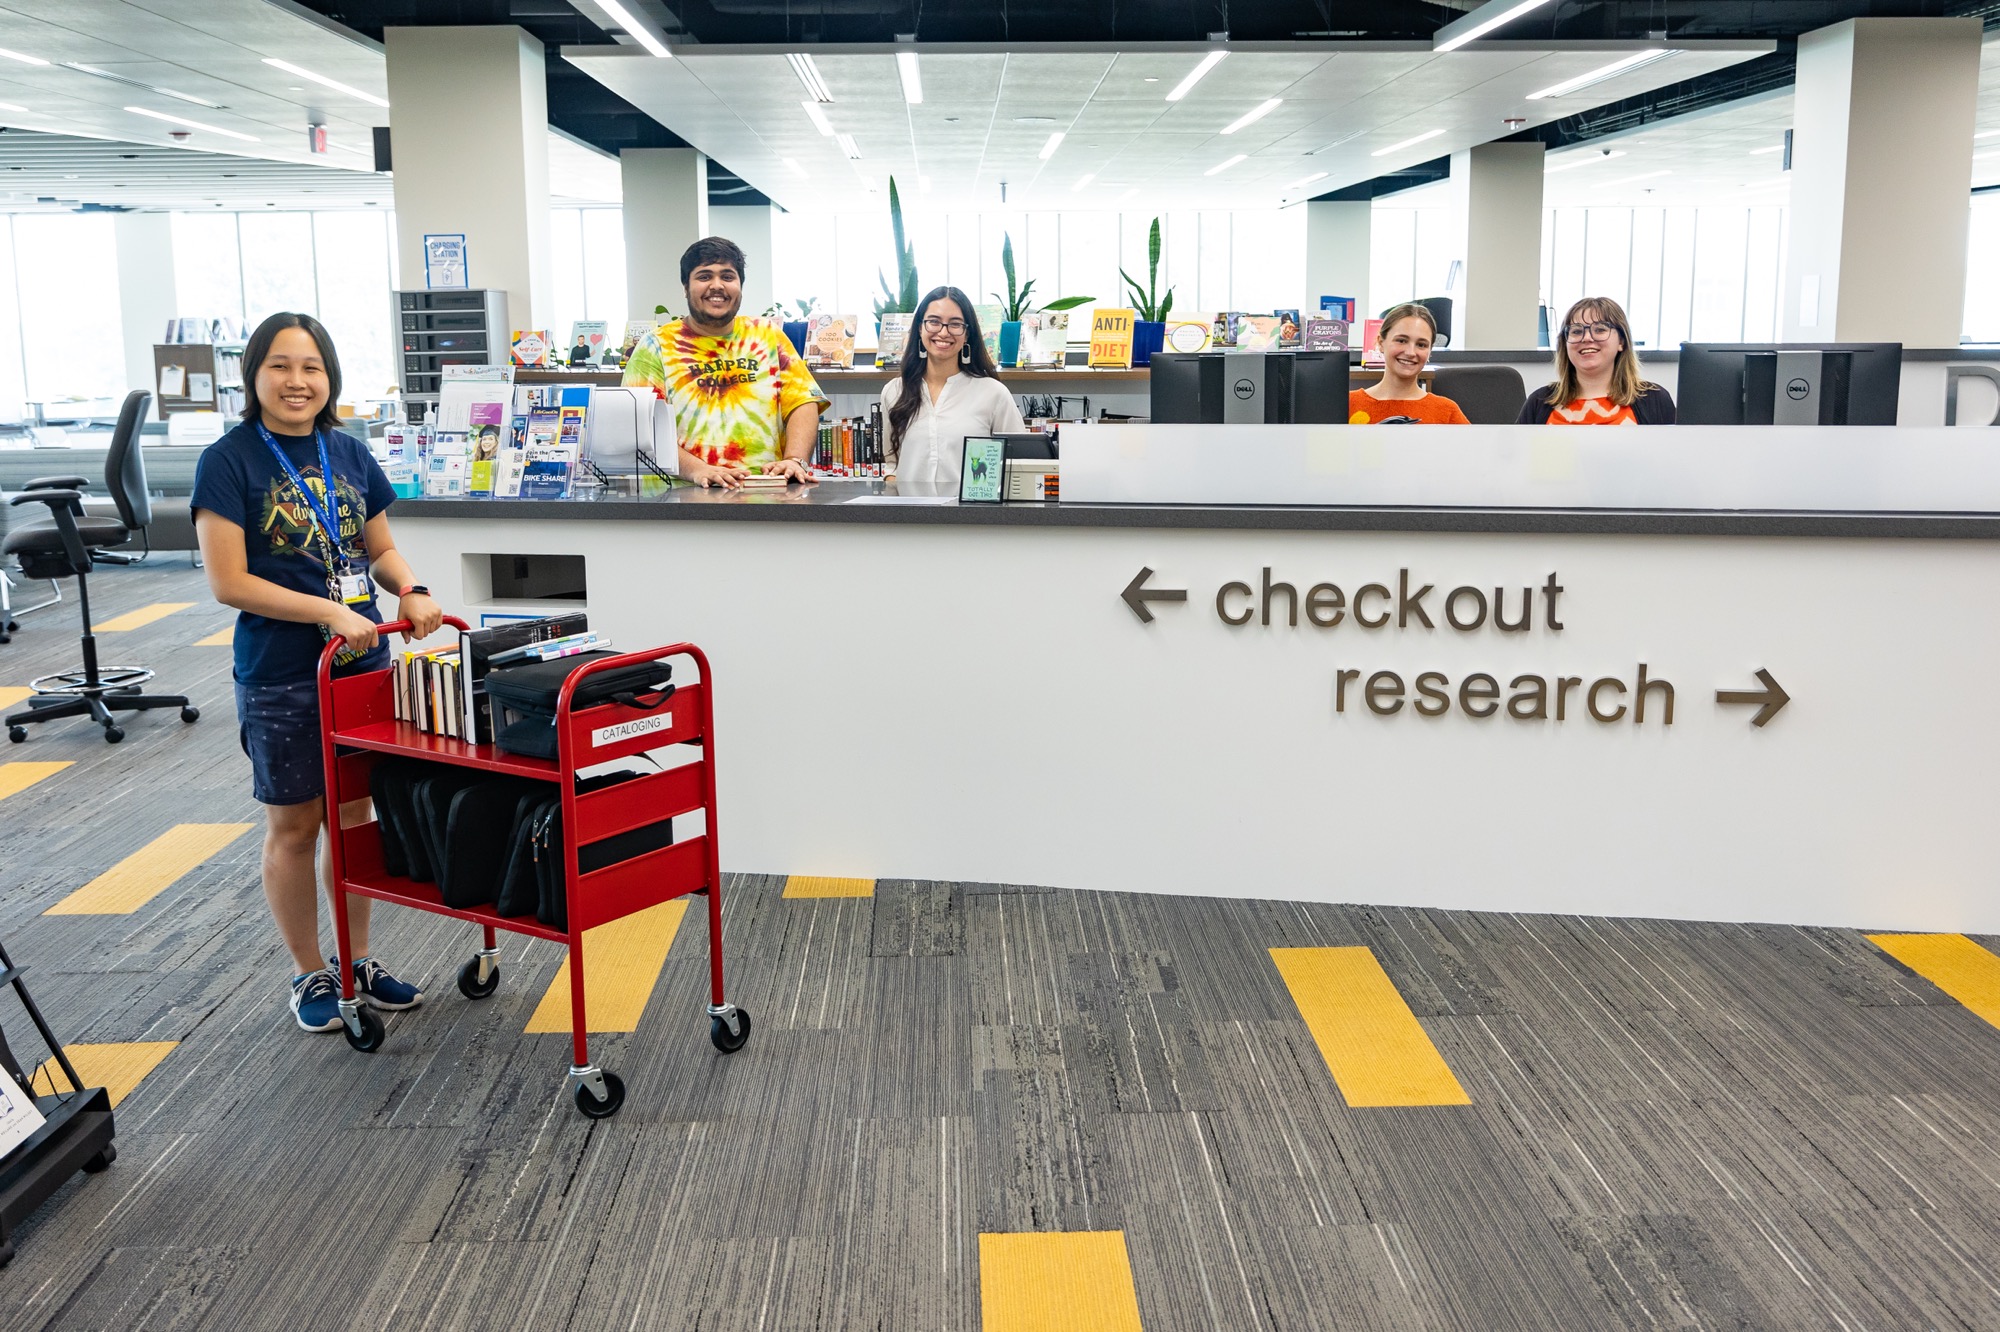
(422, 614)
(358, 631)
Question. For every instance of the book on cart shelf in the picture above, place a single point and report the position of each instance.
(480, 651)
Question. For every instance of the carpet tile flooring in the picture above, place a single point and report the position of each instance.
(1665, 1125)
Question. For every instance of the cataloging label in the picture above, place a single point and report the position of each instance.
(606, 735)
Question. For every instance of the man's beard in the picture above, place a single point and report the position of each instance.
(701, 314)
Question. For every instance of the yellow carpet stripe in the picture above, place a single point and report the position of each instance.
(1072, 1281)
(149, 871)
(117, 1068)
(621, 961)
(140, 618)
(224, 639)
(12, 694)
(806, 885)
(1373, 1045)
(1953, 963)
(18, 777)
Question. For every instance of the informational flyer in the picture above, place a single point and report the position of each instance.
(19, 1117)
(444, 262)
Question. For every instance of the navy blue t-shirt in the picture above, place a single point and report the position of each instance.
(238, 479)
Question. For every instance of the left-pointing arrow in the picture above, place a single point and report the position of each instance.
(1137, 594)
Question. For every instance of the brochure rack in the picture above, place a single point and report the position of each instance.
(76, 1134)
(358, 725)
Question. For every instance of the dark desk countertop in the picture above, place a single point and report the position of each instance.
(826, 503)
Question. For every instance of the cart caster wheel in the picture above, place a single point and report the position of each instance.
(190, 714)
(614, 1089)
(101, 1161)
(369, 1038)
(468, 980)
(6, 1252)
(726, 1039)
(17, 734)
(113, 734)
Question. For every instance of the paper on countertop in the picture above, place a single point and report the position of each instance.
(902, 499)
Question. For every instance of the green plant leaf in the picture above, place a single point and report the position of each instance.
(1069, 303)
(1166, 304)
(1153, 258)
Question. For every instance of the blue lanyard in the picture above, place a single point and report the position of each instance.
(323, 517)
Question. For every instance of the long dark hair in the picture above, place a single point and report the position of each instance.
(258, 349)
(974, 359)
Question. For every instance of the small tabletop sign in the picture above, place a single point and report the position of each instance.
(444, 263)
(980, 479)
(1111, 339)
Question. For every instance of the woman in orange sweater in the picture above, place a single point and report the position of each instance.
(1405, 338)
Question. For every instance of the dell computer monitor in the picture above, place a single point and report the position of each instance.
(1791, 383)
(1269, 388)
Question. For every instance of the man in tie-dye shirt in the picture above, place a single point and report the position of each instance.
(743, 399)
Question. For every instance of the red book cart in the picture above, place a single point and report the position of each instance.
(358, 726)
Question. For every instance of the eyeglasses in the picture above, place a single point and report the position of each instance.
(932, 324)
(1594, 332)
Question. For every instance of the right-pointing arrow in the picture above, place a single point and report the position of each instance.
(1771, 698)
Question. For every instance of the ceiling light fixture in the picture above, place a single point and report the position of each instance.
(1254, 115)
(325, 82)
(1307, 180)
(1612, 70)
(1049, 148)
(1220, 167)
(848, 146)
(1986, 134)
(913, 84)
(9, 106)
(808, 72)
(1208, 62)
(1774, 148)
(1083, 181)
(819, 120)
(1407, 143)
(193, 124)
(1575, 160)
(639, 32)
(95, 72)
(24, 59)
(793, 167)
(1479, 22)
(1630, 180)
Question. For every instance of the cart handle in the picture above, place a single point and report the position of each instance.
(336, 642)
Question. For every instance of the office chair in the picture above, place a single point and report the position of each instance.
(1440, 308)
(1487, 394)
(125, 479)
(61, 548)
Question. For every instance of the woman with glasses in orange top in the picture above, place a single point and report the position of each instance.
(1597, 374)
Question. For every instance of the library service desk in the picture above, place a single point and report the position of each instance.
(1703, 672)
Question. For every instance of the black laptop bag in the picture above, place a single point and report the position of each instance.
(528, 694)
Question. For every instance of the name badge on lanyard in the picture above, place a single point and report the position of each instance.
(344, 582)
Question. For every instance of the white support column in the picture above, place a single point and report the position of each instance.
(469, 135)
(1882, 181)
(750, 228)
(1337, 239)
(1497, 195)
(666, 210)
(146, 298)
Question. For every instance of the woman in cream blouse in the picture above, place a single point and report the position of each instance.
(948, 389)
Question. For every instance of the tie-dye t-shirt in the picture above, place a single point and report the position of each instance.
(730, 395)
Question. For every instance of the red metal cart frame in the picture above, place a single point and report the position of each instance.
(358, 726)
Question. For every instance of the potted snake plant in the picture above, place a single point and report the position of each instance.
(1016, 306)
(1149, 330)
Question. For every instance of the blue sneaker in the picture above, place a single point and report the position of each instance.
(316, 1001)
(374, 986)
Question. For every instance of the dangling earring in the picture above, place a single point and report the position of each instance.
(922, 355)
(965, 354)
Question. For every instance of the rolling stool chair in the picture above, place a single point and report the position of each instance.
(61, 548)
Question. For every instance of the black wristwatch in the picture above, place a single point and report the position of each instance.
(414, 589)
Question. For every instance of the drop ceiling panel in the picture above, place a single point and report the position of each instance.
(1338, 107)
